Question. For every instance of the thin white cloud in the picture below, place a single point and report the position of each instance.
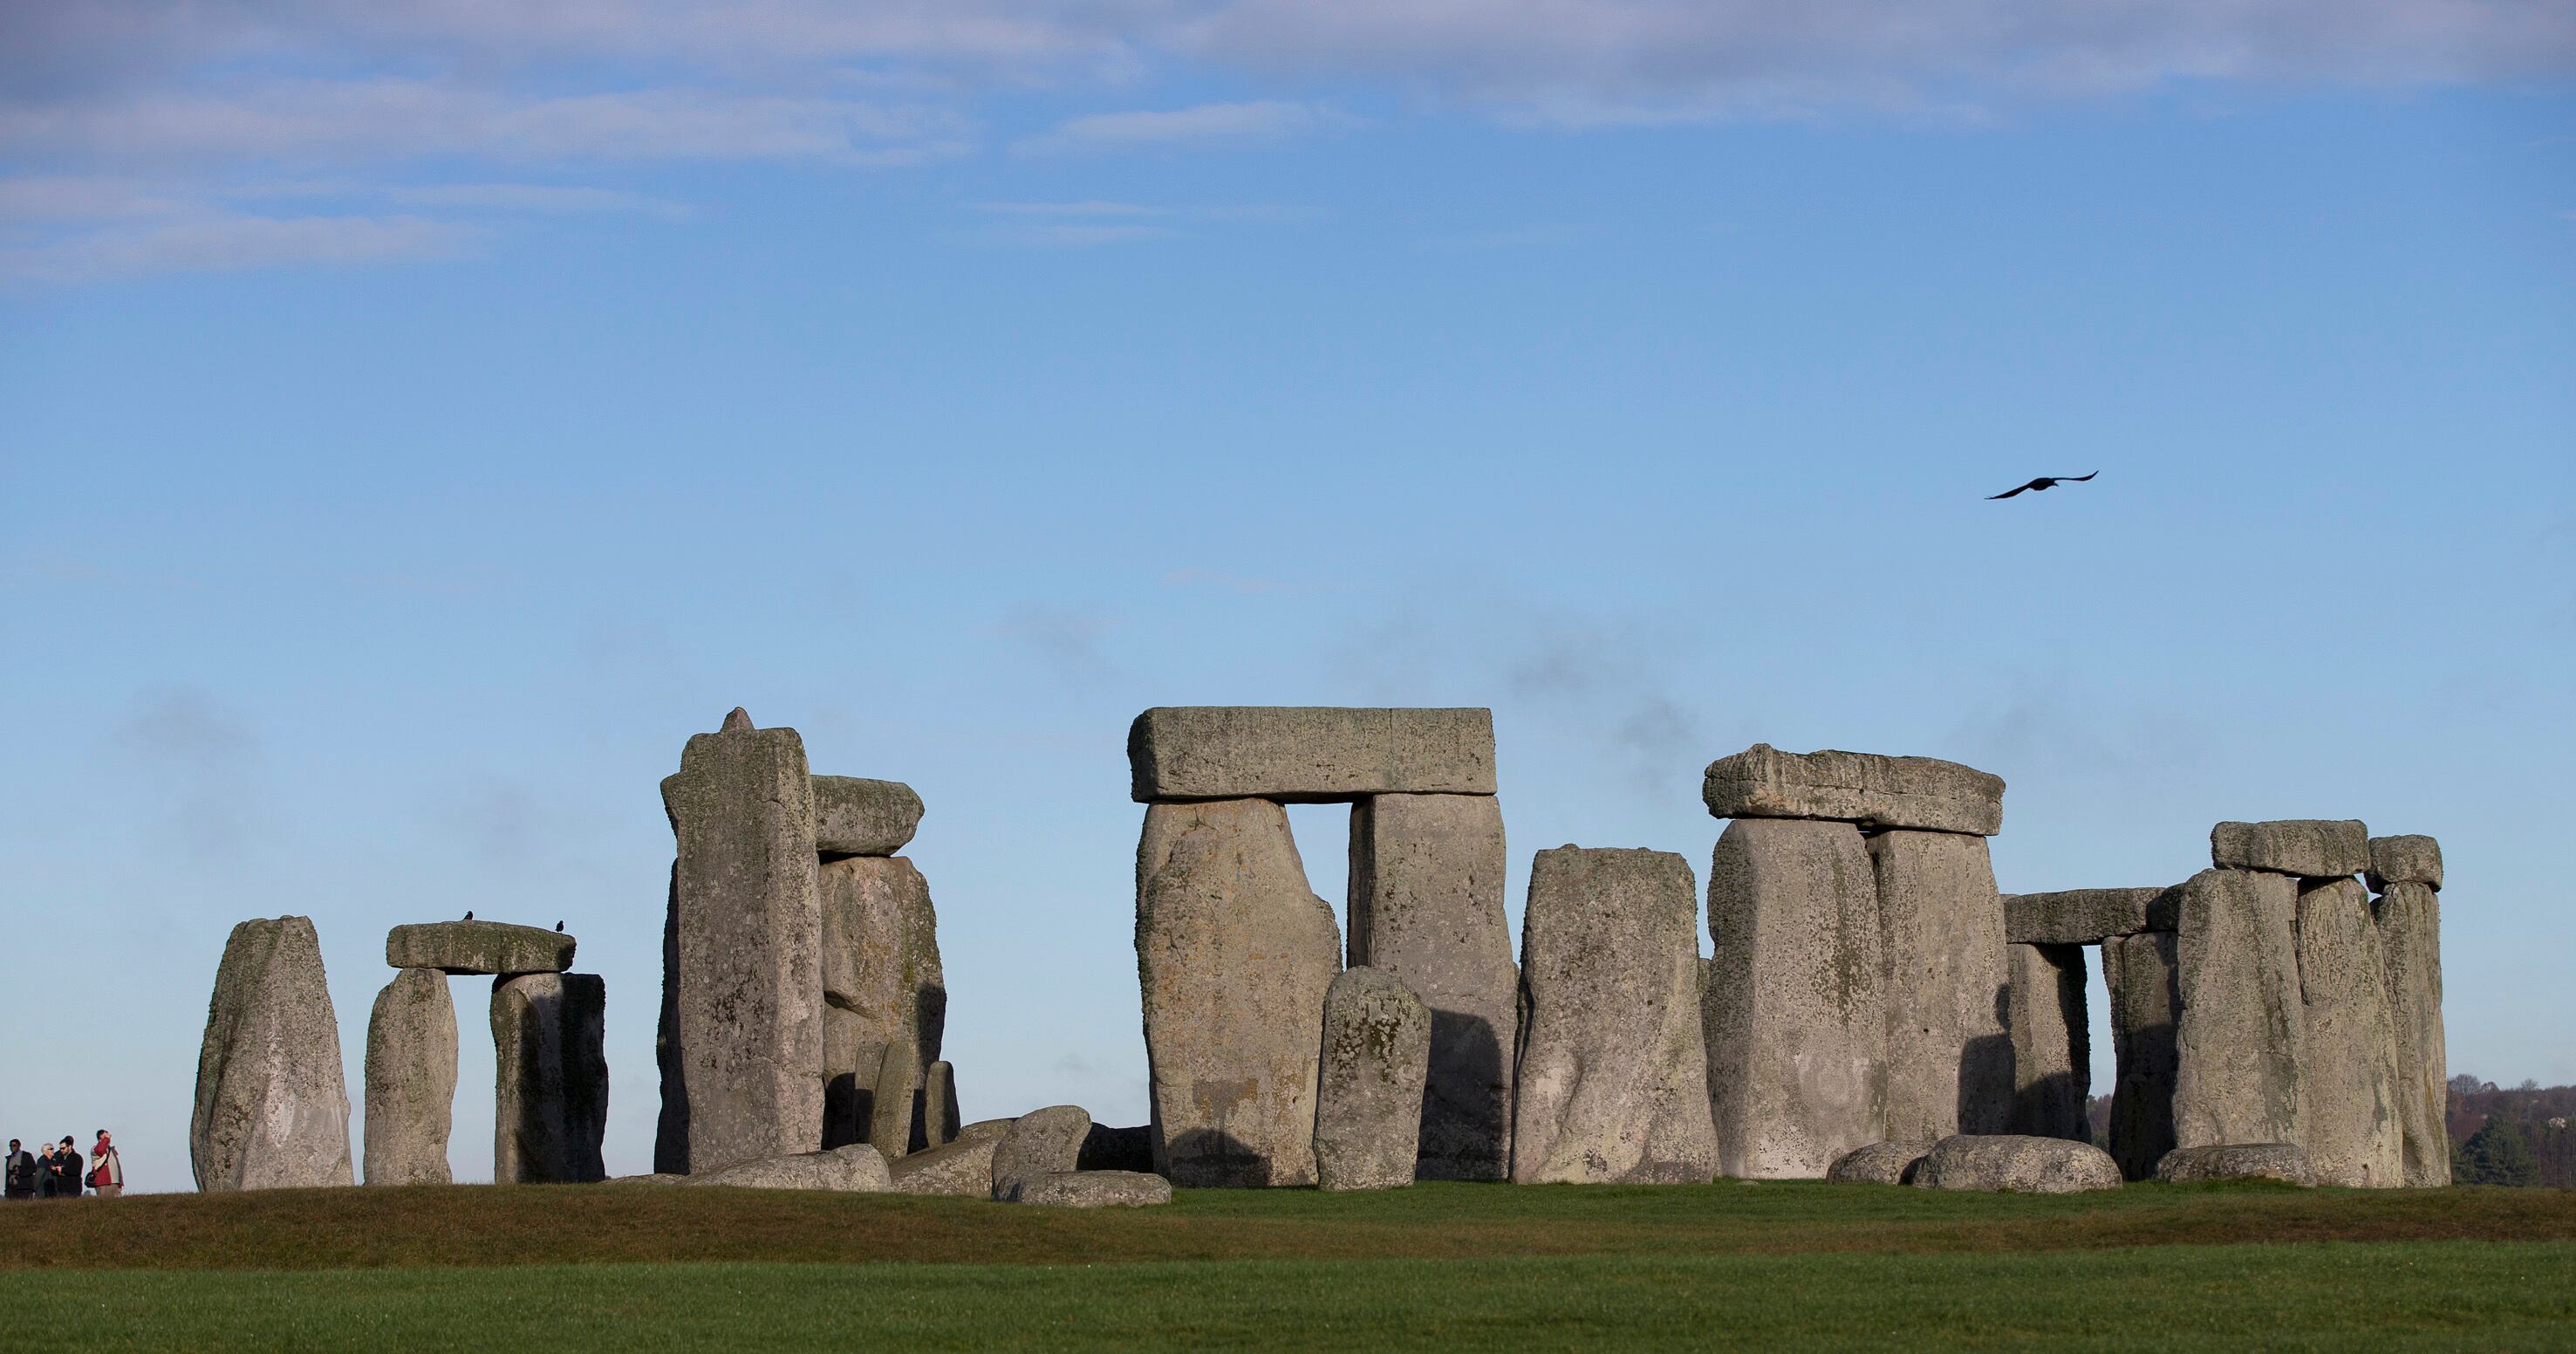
(548, 199)
(227, 243)
(1203, 124)
(1090, 208)
(1069, 235)
(78, 198)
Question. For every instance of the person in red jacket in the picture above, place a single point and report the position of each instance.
(106, 1167)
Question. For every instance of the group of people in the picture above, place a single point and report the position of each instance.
(56, 1172)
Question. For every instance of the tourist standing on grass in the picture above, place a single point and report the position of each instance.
(106, 1168)
(21, 1172)
(45, 1172)
(67, 1170)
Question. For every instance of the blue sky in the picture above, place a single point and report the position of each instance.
(415, 421)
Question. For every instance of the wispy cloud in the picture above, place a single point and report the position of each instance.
(1057, 209)
(229, 243)
(204, 757)
(1066, 639)
(1202, 125)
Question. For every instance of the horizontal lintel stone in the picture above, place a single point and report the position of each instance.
(855, 816)
(1308, 754)
(2312, 848)
(478, 947)
(2087, 916)
(1877, 792)
(2404, 860)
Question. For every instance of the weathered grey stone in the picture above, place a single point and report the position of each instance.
(1426, 904)
(1117, 1149)
(1040, 1143)
(1855, 787)
(272, 1110)
(2312, 848)
(411, 1079)
(2017, 1163)
(2085, 916)
(1797, 1012)
(1613, 1071)
(963, 1168)
(2348, 1088)
(2241, 1038)
(1233, 954)
(748, 945)
(2144, 979)
(2404, 860)
(550, 1068)
(1941, 936)
(1091, 1189)
(2410, 946)
(938, 1122)
(895, 1105)
(657, 1178)
(1880, 1163)
(671, 1124)
(478, 947)
(1368, 1105)
(2052, 1040)
(987, 1130)
(1308, 754)
(2282, 1161)
(855, 816)
(885, 985)
(856, 1169)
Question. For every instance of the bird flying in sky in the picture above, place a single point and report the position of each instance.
(2043, 482)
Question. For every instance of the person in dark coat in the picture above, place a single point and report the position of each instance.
(67, 1170)
(21, 1169)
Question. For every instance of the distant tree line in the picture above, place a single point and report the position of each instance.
(2512, 1135)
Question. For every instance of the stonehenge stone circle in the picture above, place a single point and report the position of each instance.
(1613, 1068)
(1233, 955)
(856, 1169)
(2409, 917)
(2051, 1041)
(2349, 1119)
(272, 1110)
(883, 985)
(478, 947)
(550, 1078)
(855, 816)
(1880, 1163)
(1426, 905)
(2311, 848)
(748, 948)
(2143, 976)
(1368, 1102)
(2018, 1163)
(1308, 754)
(1855, 787)
(2241, 1041)
(2404, 860)
(1796, 1023)
(2282, 1161)
(411, 1080)
(1091, 1189)
(1949, 1059)
(2087, 916)
(1037, 1144)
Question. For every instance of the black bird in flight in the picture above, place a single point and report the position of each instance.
(2043, 482)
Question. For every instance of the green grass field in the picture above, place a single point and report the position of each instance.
(1449, 1267)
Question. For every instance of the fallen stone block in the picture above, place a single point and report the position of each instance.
(2241, 1039)
(1880, 1163)
(550, 1077)
(1613, 1073)
(1941, 934)
(1091, 1189)
(2409, 917)
(2348, 1088)
(1117, 1149)
(855, 816)
(2282, 1161)
(962, 1168)
(1426, 905)
(2087, 916)
(1233, 955)
(478, 947)
(1039, 1143)
(1796, 1008)
(2051, 1039)
(856, 1169)
(1855, 787)
(2404, 860)
(272, 1110)
(2312, 848)
(1368, 1107)
(2144, 978)
(1308, 754)
(2018, 1164)
(411, 1080)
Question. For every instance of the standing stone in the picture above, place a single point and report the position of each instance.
(2145, 983)
(885, 986)
(895, 1105)
(749, 942)
(2312, 848)
(2410, 946)
(2051, 1040)
(550, 1078)
(1376, 1058)
(1941, 929)
(671, 1126)
(1855, 787)
(1613, 1069)
(1308, 754)
(272, 1109)
(1797, 1011)
(1233, 955)
(855, 816)
(2348, 1114)
(939, 1121)
(411, 1079)
(1426, 905)
(2241, 1040)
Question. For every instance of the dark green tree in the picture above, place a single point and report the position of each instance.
(2496, 1154)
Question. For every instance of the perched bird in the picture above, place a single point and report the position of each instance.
(469, 914)
(2043, 482)
(558, 926)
